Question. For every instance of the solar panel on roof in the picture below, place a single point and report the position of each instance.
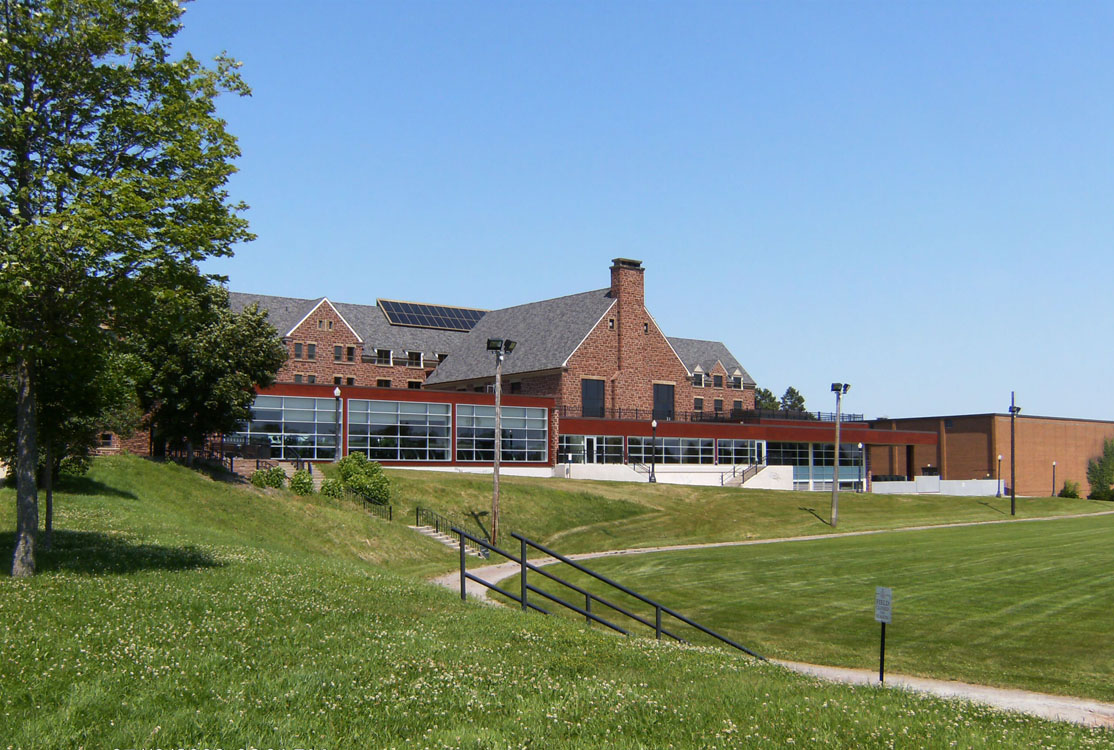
(419, 315)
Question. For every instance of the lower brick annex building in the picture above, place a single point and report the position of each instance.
(591, 380)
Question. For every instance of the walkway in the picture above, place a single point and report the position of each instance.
(1045, 706)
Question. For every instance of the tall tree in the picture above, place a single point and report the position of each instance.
(792, 400)
(764, 398)
(112, 159)
(1100, 473)
(202, 359)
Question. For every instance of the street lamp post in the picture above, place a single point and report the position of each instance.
(998, 476)
(861, 488)
(653, 449)
(501, 347)
(336, 423)
(838, 389)
(1053, 479)
(1014, 411)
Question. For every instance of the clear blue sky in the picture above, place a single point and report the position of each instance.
(915, 198)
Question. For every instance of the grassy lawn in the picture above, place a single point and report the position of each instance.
(1020, 605)
(585, 516)
(176, 611)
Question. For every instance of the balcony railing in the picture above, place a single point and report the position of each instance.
(746, 416)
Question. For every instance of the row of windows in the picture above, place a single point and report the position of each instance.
(608, 449)
(398, 430)
(717, 404)
(387, 358)
(700, 380)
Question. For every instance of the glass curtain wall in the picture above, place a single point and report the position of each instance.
(297, 427)
(813, 464)
(740, 451)
(399, 430)
(672, 450)
(591, 449)
(525, 433)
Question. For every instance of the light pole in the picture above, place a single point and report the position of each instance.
(838, 389)
(1014, 411)
(501, 347)
(336, 423)
(653, 449)
(860, 467)
(998, 476)
(1053, 479)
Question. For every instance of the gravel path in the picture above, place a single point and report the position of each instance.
(1055, 707)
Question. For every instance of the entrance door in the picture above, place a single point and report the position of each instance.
(590, 455)
(663, 401)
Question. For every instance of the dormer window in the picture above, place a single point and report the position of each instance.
(413, 359)
(737, 382)
(383, 357)
(698, 380)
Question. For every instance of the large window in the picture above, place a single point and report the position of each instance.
(591, 449)
(740, 451)
(525, 433)
(672, 450)
(812, 464)
(591, 397)
(399, 430)
(297, 427)
(663, 401)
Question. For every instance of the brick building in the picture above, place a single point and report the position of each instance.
(967, 446)
(592, 380)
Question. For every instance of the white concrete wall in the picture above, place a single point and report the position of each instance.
(504, 470)
(935, 485)
(771, 478)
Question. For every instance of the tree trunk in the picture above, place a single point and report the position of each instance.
(48, 488)
(27, 500)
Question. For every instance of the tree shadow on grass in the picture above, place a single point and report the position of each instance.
(476, 516)
(94, 553)
(818, 516)
(84, 485)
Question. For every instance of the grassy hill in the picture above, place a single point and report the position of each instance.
(178, 611)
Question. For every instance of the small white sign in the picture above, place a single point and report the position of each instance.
(883, 601)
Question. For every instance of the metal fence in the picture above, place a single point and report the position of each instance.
(732, 416)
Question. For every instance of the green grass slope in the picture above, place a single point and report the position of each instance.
(177, 611)
(586, 516)
(1024, 605)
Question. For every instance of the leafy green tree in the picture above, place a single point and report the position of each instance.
(112, 160)
(792, 400)
(202, 359)
(1100, 473)
(764, 398)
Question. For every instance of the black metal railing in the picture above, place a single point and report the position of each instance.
(526, 588)
(746, 416)
(386, 512)
(444, 525)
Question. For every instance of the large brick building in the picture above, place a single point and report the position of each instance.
(967, 446)
(592, 373)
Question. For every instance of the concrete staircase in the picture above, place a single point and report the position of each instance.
(288, 469)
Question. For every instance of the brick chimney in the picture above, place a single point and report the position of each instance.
(627, 282)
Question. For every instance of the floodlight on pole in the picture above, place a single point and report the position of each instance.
(839, 389)
(501, 347)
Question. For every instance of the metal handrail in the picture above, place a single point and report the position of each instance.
(523, 599)
(444, 525)
(745, 416)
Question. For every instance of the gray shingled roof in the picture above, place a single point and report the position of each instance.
(695, 352)
(546, 334)
(367, 320)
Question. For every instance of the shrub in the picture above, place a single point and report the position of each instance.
(1071, 489)
(272, 477)
(332, 488)
(365, 478)
(302, 482)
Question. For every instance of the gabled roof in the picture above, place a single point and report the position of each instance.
(546, 334)
(704, 354)
(367, 321)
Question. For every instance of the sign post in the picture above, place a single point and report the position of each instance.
(883, 603)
